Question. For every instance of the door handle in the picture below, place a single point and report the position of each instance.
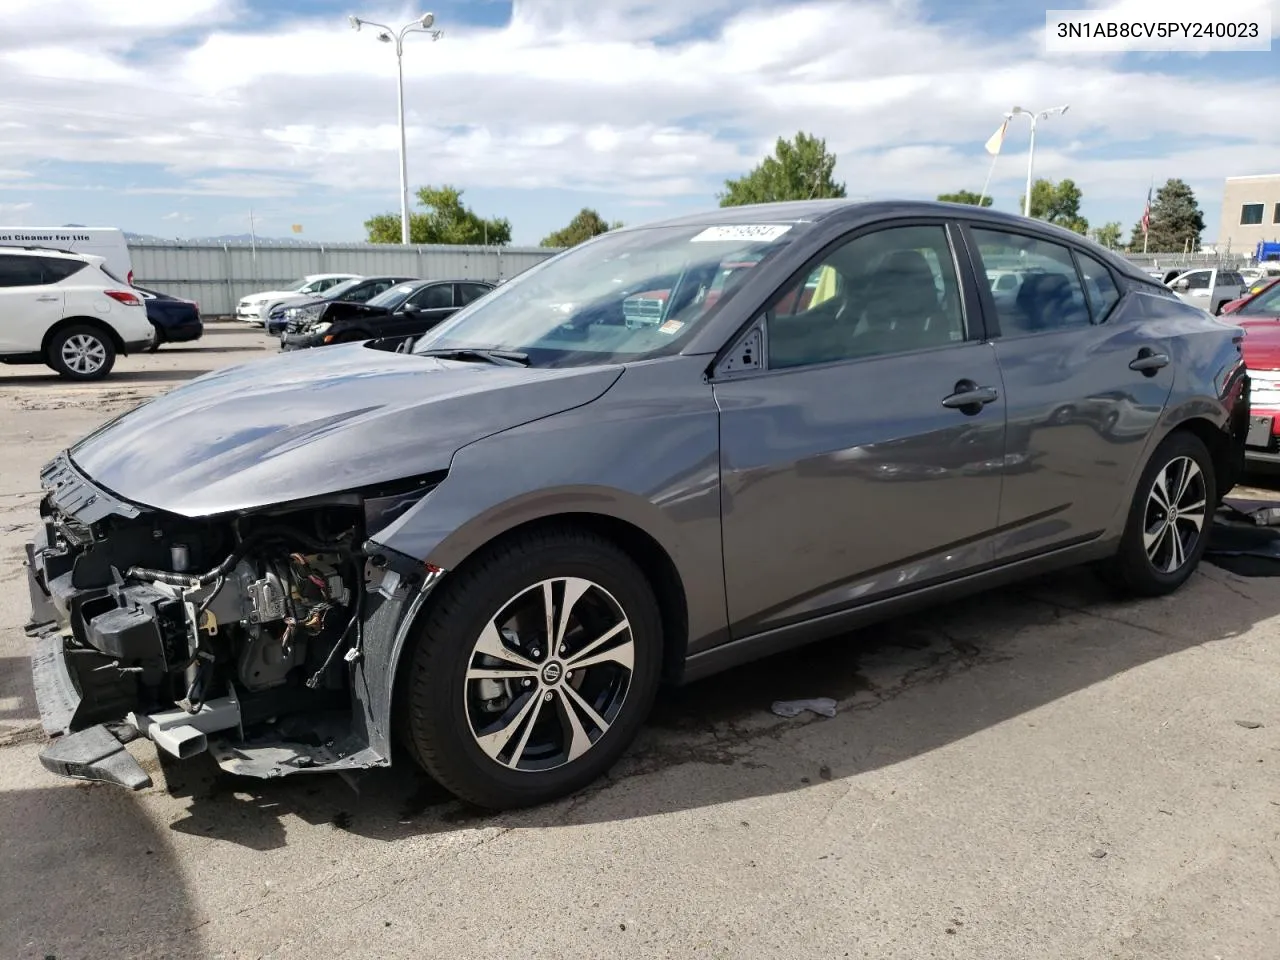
(47, 299)
(1148, 362)
(969, 398)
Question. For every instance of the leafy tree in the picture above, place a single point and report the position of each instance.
(1175, 219)
(800, 169)
(1058, 203)
(585, 225)
(1108, 234)
(446, 220)
(965, 196)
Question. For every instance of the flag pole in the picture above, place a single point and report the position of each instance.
(986, 183)
(992, 146)
(1146, 217)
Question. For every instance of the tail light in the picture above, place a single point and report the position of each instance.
(129, 278)
(124, 296)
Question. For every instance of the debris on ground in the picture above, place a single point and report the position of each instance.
(1248, 724)
(793, 708)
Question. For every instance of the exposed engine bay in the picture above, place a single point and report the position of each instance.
(236, 635)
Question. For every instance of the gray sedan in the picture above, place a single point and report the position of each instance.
(664, 452)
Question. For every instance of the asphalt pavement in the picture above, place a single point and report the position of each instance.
(1042, 772)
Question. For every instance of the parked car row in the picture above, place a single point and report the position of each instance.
(401, 310)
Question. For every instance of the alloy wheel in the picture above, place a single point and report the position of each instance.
(83, 353)
(1175, 514)
(549, 674)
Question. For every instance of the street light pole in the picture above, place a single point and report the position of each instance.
(1031, 150)
(421, 25)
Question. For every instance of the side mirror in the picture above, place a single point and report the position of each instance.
(1181, 285)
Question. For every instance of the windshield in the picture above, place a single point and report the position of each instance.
(338, 289)
(624, 296)
(1263, 304)
(395, 296)
(298, 285)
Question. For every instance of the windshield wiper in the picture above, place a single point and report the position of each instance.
(505, 358)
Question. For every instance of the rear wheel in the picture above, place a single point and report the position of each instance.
(534, 669)
(1167, 529)
(81, 352)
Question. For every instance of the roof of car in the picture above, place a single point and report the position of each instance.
(42, 252)
(855, 211)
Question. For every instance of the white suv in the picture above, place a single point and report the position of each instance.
(68, 311)
(256, 307)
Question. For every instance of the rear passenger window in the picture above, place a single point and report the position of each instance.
(56, 270)
(1049, 295)
(886, 292)
(470, 291)
(1102, 290)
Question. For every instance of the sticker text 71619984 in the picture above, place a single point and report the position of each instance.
(749, 232)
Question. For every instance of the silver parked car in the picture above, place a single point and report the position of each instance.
(664, 452)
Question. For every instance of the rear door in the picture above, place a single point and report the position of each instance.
(1086, 377)
(861, 431)
(30, 303)
(467, 292)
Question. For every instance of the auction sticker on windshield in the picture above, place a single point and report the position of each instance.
(758, 232)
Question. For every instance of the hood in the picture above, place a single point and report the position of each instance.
(1261, 342)
(273, 295)
(316, 422)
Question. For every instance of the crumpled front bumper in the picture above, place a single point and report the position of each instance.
(83, 750)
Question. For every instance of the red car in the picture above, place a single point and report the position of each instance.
(1259, 314)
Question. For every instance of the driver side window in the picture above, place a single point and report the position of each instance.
(890, 291)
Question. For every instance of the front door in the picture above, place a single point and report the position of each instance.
(863, 457)
(1086, 378)
(28, 305)
(422, 311)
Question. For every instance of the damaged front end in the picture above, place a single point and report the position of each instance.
(267, 639)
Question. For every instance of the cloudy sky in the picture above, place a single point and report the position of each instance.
(176, 117)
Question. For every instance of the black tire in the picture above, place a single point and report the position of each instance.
(440, 705)
(61, 353)
(1132, 570)
(352, 336)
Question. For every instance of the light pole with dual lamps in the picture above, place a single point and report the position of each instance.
(421, 25)
(1031, 152)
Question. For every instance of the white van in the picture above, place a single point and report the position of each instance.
(105, 242)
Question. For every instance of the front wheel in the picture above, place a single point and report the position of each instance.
(1167, 530)
(534, 669)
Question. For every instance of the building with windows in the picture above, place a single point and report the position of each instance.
(1250, 212)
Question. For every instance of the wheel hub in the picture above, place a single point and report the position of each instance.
(548, 674)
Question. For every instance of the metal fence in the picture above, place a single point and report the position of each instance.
(217, 275)
(1189, 260)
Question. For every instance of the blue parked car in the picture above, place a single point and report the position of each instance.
(357, 290)
(174, 319)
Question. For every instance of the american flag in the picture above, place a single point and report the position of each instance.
(1146, 214)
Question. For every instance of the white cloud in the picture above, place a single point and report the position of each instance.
(11, 209)
(578, 94)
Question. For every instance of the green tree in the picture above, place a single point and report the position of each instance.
(1175, 220)
(1057, 203)
(585, 224)
(446, 220)
(800, 169)
(1108, 234)
(965, 196)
